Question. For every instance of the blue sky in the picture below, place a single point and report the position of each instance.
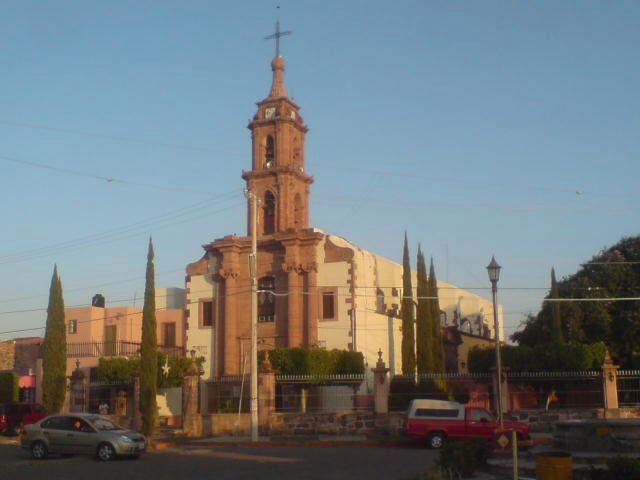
(506, 128)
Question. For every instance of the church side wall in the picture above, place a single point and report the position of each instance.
(334, 277)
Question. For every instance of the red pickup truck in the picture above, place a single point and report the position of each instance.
(439, 420)
(13, 416)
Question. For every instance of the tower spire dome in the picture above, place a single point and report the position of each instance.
(278, 88)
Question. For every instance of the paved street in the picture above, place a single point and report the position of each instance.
(227, 463)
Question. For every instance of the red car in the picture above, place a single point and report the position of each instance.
(14, 416)
(440, 420)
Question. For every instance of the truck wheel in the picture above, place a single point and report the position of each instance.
(436, 440)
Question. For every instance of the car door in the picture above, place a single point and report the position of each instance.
(82, 436)
(480, 423)
(56, 430)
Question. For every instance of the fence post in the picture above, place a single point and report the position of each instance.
(77, 390)
(381, 386)
(266, 392)
(609, 386)
(191, 420)
(505, 389)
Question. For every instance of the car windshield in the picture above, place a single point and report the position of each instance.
(102, 423)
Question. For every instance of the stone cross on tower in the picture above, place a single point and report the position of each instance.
(277, 36)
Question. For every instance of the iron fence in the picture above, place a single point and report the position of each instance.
(629, 388)
(323, 393)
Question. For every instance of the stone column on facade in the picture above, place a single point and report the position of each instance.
(266, 393)
(610, 386)
(191, 420)
(77, 390)
(231, 353)
(39, 380)
(121, 404)
(381, 386)
(294, 323)
(312, 304)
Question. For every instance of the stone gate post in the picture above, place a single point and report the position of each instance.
(77, 390)
(381, 386)
(610, 386)
(191, 420)
(266, 393)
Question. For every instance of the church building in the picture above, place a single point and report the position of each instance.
(327, 292)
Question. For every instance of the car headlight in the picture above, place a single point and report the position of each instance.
(125, 439)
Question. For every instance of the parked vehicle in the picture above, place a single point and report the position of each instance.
(81, 433)
(440, 420)
(13, 416)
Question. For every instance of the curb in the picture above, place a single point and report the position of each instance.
(162, 445)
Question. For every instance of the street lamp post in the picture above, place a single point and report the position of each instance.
(494, 275)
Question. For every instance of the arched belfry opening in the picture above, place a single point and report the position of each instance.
(269, 213)
(269, 152)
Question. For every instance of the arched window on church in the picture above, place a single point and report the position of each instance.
(297, 211)
(266, 299)
(269, 152)
(380, 305)
(269, 213)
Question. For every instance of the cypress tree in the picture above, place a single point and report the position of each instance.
(54, 349)
(434, 321)
(556, 322)
(408, 339)
(424, 345)
(148, 350)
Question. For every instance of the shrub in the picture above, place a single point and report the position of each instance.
(624, 467)
(315, 361)
(464, 457)
(9, 387)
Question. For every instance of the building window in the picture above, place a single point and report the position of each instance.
(207, 313)
(380, 305)
(266, 299)
(110, 339)
(169, 334)
(73, 326)
(328, 306)
(269, 213)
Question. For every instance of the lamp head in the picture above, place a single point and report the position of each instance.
(494, 270)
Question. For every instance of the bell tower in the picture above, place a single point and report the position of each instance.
(277, 176)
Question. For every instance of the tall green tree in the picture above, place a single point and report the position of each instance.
(148, 350)
(408, 339)
(424, 344)
(613, 273)
(556, 321)
(54, 349)
(434, 321)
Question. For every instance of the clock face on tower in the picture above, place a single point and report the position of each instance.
(269, 112)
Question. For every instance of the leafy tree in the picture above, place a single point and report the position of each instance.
(424, 337)
(148, 350)
(434, 321)
(408, 339)
(556, 324)
(612, 273)
(9, 391)
(54, 349)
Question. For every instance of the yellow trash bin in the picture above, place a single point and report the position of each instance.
(554, 466)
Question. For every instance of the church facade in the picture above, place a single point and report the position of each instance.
(315, 289)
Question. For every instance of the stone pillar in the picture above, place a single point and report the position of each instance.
(121, 404)
(381, 386)
(312, 305)
(39, 381)
(293, 314)
(77, 390)
(266, 393)
(231, 353)
(610, 386)
(191, 420)
(505, 389)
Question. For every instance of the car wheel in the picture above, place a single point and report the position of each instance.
(106, 452)
(38, 450)
(436, 440)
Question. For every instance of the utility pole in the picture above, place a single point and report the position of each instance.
(254, 314)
